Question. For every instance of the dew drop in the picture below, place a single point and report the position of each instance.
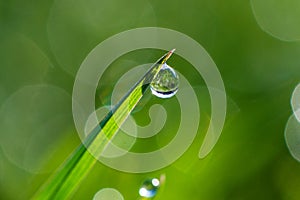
(149, 188)
(165, 83)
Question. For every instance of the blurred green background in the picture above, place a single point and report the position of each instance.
(255, 44)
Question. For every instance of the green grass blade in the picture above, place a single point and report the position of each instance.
(69, 176)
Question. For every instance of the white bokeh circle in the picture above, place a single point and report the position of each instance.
(278, 18)
(295, 102)
(292, 136)
(33, 121)
(108, 194)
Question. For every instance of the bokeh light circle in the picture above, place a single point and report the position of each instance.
(76, 26)
(108, 194)
(33, 121)
(295, 102)
(279, 18)
(292, 137)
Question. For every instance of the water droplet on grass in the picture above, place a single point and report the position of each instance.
(165, 83)
(149, 188)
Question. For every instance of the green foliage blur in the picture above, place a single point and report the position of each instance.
(43, 43)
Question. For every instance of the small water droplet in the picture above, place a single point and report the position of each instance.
(149, 188)
(165, 83)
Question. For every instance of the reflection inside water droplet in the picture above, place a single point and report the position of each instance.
(149, 188)
(165, 83)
